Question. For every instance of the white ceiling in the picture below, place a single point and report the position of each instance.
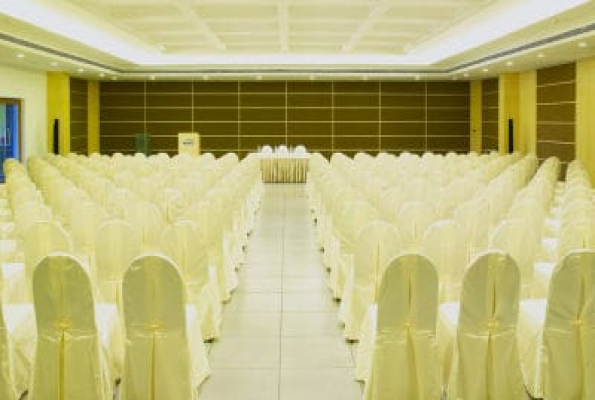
(283, 38)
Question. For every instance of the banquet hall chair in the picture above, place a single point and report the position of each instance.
(376, 244)
(405, 357)
(7, 387)
(557, 335)
(69, 363)
(478, 336)
(183, 243)
(165, 357)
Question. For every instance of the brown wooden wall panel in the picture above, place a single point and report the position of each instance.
(451, 143)
(325, 116)
(78, 116)
(309, 129)
(556, 112)
(322, 100)
(216, 100)
(489, 113)
(403, 128)
(403, 142)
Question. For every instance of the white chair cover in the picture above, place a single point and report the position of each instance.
(446, 245)
(116, 245)
(485, 364)
(42, 238)
(7, 387)
(558, 340)
(158, 363)
(183, 243)
(376, 244)
(68, 361)
(405, 359)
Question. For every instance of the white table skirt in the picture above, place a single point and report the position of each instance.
(288, 168)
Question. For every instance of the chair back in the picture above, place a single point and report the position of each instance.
(487, 357)
(446, 245)
(157, 359)
(116, 245)
(67, 357)
(569, 332)
(405, 361)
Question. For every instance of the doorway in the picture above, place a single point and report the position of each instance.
(10, 130)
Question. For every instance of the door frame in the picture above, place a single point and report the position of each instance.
(19, 103)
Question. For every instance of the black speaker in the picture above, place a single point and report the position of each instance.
(510, 135)
(56, 148)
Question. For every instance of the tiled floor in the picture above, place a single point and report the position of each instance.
(280, 338)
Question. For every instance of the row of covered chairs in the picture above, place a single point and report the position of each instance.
(202, 233)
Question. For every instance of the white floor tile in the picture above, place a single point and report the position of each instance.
(314, 352)
(251, 324)
(241, 384)
(319, 384)
(245, 353)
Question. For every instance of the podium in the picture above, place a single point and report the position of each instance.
(189, 143)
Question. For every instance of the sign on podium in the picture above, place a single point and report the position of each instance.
(189, 143)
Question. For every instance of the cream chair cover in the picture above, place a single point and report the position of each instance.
(356, 214)
(42, 238)
(446, 245)
(7, 387)
(68, 360)
(160, 362)
(146, 217)
(376, 244)
(557, 340)
(519, 239)
(485, 363)
(116, 245)
(405, 359)
(413, 219)
(183, 243)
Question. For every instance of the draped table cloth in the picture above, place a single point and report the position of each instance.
(284, 168)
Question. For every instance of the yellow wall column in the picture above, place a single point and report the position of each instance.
(476, 118)
(93, 117)
(527, 127)
(58, 107)
(508, 108)
(585, 107)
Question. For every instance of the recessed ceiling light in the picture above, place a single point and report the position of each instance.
(540, 55)
(101, 75)
(365, 77)
(454, 78)
(114, 78)
(466, 75)
(205, 77)
(582, 44)
(509, 63)
(258, 77)
(416, 77)
(312, 77)
(20, 55)
(485, 70)
(54, 63)
(80, 70)
(152, 77)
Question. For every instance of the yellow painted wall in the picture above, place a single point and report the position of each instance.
(476, 116)
(93, 117)
(508, 107)
(58, 107)
(527, 126)
(585, 114)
